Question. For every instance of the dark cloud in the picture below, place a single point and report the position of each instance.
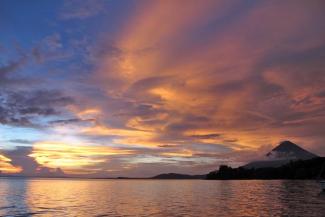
(7, 70)
(19, 157)
(24, 98)
(30, 167)
(206, 136)
(321, 94)
(72, 121)
(21, 141)
(20, 108)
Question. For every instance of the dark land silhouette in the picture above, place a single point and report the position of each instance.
(178, 176)
(300, 169)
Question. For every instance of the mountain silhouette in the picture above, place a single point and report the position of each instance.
(285, 152)
(289, 150)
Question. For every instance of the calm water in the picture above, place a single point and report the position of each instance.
(62, 197)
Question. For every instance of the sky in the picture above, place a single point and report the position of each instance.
(137, 88)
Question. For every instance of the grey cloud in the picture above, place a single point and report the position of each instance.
(19, 108)
(321, 94)
(72, 121)
(21, 141)
(7, 70)
(20, 158)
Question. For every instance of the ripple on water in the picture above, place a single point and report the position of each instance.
(46, 197)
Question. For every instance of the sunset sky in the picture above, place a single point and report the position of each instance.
(138, 88)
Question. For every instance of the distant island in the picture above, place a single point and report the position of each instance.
(170, 176)
(178, 176)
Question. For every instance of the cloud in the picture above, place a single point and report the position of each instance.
(21, 141)
(19, 157)
(76, 9)
(246, 78)
(25, 99)
(71, 121)
(52, 48)
(20, 108)
(6, 166)
(7, 70)
(18, 161)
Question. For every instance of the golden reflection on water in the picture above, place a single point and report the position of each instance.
(63, 197)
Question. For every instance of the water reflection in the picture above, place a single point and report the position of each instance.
(301, 198)
(62, 197)
(13, 196)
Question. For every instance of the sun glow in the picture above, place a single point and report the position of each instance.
(70, 157)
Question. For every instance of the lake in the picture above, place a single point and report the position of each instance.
(77, 197)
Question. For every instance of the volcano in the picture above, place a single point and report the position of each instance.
(285, 152)
(289, 150)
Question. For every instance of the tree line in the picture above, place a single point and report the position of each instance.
(300, 169)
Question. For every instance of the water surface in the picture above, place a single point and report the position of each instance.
(72, 197)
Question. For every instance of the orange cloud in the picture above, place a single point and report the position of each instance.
(7, 167)
(181, 153)
(223, 82)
